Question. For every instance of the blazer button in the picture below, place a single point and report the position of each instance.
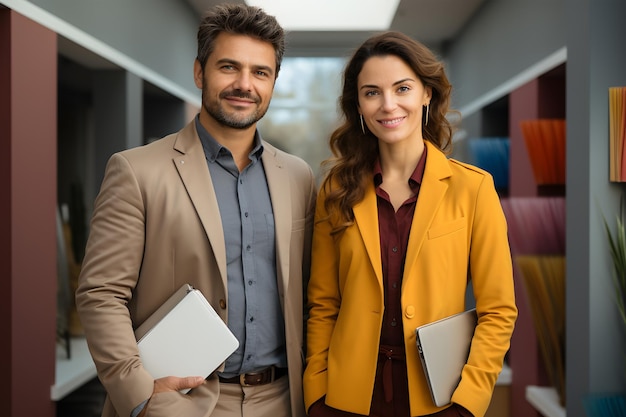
(223, 303)
(410, 312)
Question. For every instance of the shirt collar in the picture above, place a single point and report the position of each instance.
(415, 178)
(213, 149)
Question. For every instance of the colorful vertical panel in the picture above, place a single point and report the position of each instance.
(544, 280)
(492, 155)
(545, 143)
(617, 134)
(537, 237)
(536, 225)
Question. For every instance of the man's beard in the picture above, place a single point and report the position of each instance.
(217, 112)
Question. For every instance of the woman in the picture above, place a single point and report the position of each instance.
(399, 231)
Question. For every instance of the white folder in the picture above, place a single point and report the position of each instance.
(184, 337)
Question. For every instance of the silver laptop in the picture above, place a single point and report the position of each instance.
(443, 347)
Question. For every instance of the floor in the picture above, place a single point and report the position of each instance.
(86, 401)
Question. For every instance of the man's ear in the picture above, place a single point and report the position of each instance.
(198, 74)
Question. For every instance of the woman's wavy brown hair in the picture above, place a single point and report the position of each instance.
(354, 152)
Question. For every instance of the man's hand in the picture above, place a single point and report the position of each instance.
(173, 383)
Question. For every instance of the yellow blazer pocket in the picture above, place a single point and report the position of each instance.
(446, 228)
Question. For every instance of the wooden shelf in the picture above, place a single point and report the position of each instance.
(545, 400)
(74, 372)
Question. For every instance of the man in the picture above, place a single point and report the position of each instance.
(217, 207)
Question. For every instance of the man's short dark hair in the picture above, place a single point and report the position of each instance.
(239, 19)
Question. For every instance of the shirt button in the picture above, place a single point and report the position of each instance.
(394, 249)
(246, 214)
(394, 285)
(250, 282)
(248, 247)
(394, 323)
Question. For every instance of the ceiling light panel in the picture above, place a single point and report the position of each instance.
(333, 15)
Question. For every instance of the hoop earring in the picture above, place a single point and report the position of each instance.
(362, 125)
(427, 110)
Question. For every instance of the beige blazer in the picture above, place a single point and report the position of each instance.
(458, 231)
(156, 225)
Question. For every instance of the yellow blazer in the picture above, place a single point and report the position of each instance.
(156, 226)
(458, 231)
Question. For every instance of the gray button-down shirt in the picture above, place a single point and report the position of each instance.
(254, 311)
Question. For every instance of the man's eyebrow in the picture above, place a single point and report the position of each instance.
(228, 61)
(236, 63)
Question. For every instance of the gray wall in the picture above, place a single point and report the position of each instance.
(596, 361)
(160, 34)
(504, 38)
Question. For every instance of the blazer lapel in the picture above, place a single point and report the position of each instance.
(366, 218)
(194, 173)
(280, 194)
(432, 191)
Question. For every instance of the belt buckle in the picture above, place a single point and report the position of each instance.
(242, 377)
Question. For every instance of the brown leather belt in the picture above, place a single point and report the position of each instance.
(266, 376)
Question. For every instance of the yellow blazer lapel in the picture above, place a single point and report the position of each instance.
(366, 218)
(194, 173)
(432, 191)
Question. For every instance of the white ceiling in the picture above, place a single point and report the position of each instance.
(432, 22)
